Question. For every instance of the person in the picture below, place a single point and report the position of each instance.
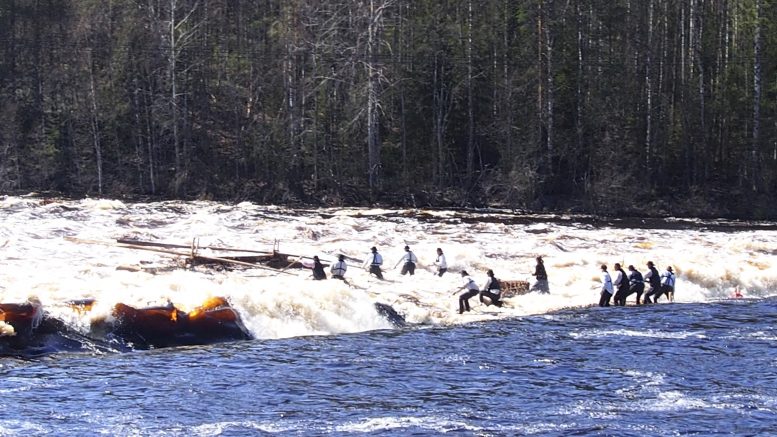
(622, 284)
(667, 285)
(604, 301)
(472, 291)
(410, 259)
(442, 265)
(374, 260)
(636, 284)
(541, 276)
(492, 290)
(318, 269)
(654, 280)
(338, 269)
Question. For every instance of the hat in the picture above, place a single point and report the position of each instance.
(650, 263)
(407, 247)
(341, 257)
(374, 249)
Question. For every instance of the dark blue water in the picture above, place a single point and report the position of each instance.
(670, 369)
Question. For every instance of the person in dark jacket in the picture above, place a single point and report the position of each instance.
(654, 281)
(318, 269)
(541, 277)
(492, 290)
(636, 284)
(621, 284)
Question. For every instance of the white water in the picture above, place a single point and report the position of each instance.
(36, 260)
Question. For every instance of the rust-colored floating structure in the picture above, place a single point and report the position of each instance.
(22, 317)
(165, 326)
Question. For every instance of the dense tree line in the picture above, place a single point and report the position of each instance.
(610, 106)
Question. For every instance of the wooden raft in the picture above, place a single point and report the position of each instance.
(513, 288)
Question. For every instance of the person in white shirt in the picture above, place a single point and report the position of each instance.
(409, 259)
(338, 269)
(374, 261)
(442, 265)
(606, 288)
(667, 285)
(472, 291)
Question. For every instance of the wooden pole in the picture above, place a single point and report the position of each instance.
(183, 246)
(172, 252)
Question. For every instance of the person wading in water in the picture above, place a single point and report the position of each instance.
(375, 261)
(410, 260)
(492, 290)
(338, 269)
(472, 291)
(441, 263)
(318, 269)
(622, 284)
(541, 277)
(606, 288)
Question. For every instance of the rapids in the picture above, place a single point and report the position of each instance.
(40, 260)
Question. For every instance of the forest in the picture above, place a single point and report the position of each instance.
(609, 107)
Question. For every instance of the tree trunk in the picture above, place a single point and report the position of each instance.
(754, 158)
(470, 109)
(373, 141)
(173, 77)
(649, 91)
(98, 152)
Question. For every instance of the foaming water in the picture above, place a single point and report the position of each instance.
(41, 259)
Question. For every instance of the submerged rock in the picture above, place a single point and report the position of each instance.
(390, 314)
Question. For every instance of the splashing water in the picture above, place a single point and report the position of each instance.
(41, 260)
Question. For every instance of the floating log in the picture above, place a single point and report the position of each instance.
(274, 258)
(134, 242)
(195, 260)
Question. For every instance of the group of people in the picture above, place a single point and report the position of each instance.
(616, 290)
(490, 294)
(374, 261)
(634, 283)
